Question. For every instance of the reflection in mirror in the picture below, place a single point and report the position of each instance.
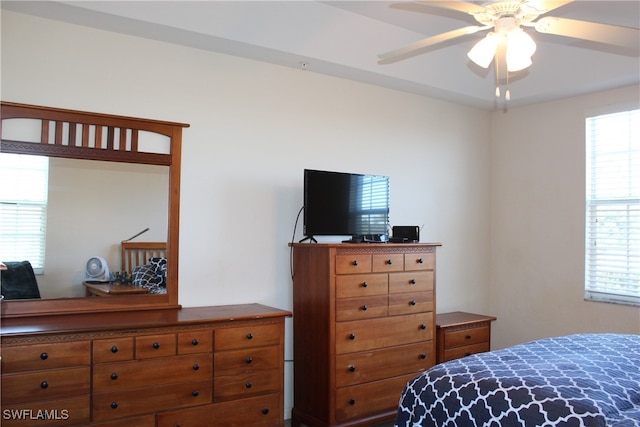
(92, 206)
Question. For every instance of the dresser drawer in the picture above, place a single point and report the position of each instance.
(416, 302)
(155, 346)
(410, 282)
(466, 336)
(124, 403)
(386, 263)
(371, 398)
(239, 385)
(229, 362)
(200, 341)
(45, 356)
(356, 368)
(419, 261)
(261, 411)
(369, 334)
(142, 421)
(151, 372)
(70, 411)
(113, 350)
(361, 308)
(353, 264)
(246, 336)
(45, 384)
(464, 351)
(359, 285)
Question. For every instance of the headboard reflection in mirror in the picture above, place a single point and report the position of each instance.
(106, 178)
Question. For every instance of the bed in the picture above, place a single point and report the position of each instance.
(575, 380)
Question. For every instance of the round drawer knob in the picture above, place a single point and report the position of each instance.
(156, 345)
(248, 385)
(114, 376)
(354, 263)
(413, 302)
(114, 349)
(423, 326)
(389, 262)
(419, 261)
(364, 308)
(365, 284)
(249, 336)
(352, 402)
(265, 411)
(352, 368)
(196, 366)
(412, 281)
(423, 356)
(467, 337)
(195, 393)
(44, 356)
(195, 341)
(352, 337)
(249, 360)
(44, 384)
(114, 405)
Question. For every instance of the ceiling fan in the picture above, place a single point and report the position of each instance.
(506, 41)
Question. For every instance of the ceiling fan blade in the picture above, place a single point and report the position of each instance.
(602, 33)
(420, 46)
(545, 6)
(461, 6)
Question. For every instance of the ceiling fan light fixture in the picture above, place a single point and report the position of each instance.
(520, 48)
(482, 53)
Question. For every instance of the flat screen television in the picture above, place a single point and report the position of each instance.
(346, 204)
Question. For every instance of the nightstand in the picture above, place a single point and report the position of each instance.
(460, 334)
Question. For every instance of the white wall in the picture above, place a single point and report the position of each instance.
(537, 221)
(254, 128)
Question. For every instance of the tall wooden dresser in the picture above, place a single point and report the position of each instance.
(364, 324)
(199, 367)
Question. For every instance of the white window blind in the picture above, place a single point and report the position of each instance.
(612, 259)
(23, 208)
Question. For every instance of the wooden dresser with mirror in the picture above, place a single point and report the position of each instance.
(132, 359)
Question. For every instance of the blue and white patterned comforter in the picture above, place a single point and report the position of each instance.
(576, 380)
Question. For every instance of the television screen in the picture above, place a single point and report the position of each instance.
(340, 204)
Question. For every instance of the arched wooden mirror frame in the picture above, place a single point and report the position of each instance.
(77, 143)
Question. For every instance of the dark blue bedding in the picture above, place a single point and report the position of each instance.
(576, 380)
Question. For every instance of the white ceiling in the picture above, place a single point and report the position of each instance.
(343, 38)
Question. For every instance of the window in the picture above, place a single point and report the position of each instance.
(612, 260)
(23, 208)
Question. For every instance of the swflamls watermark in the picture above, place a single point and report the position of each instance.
(35, 414)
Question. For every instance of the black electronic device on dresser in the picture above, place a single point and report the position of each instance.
(405, 234)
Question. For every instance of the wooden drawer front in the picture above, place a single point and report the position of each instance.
(239, 385)
(361, 308)
(195, 342)
(58, 412)
(263, 411)
(47, 384)
(467, 350)
(143, 421)
(228, 362)
(155, 346)
(151, 372)
(246, 336)
(387, 263)
(383, 332)
(360, 285)
(466, 336)
(419, 261)
(366, 399)
(112, 350)
(416, 302)
(410, 282)
(356, 368)
(45, 356)
(124, 403)
(353, 264)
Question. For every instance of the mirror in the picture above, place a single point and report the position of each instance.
(110, 178)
